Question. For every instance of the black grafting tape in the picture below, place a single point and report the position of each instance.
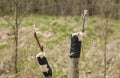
(75, 47)
(43, 61)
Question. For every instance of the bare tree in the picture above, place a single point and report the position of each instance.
(15, 12)
(67, 7)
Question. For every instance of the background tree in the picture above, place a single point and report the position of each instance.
(14, 9)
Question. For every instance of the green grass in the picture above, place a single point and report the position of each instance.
(58, 44)
(57, 41)
(4, 25)
(2, 46)
(28, 24)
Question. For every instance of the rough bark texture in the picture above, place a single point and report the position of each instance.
(74, 68)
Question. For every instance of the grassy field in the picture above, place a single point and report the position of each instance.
(54, 34)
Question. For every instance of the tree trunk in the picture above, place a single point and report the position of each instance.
(74, 68)
(16, 35)
(74, 56)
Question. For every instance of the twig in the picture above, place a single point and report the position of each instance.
(83, 17)
(35, 35)
(105, 49)
(42, 60)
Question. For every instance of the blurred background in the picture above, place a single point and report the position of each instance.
(55, 21)
(63, 7)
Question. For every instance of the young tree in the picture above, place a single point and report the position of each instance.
(12, 14)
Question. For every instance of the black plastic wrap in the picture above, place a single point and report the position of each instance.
(75, 47)
(43, 61)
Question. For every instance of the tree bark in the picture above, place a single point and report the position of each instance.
(16, 35)
(74, 68)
